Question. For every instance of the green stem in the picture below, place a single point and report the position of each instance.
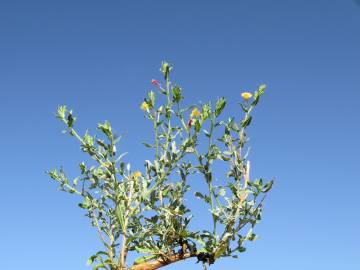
(169, 105)
(211, 189)
(123, 251)
(156, 136)
(212, 208)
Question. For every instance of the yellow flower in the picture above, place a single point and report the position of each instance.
(195, 112)
(144, 106)
(246, 95)
(137, 174)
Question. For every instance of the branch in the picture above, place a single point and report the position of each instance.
(161, 262)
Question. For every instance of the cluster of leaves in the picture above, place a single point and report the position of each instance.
(145, 212)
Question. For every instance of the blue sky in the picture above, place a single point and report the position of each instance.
(98, 57)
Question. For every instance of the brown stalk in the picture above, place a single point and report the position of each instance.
(152, 265)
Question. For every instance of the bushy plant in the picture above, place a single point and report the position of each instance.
(146, 211)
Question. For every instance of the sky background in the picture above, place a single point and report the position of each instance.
(99, 57)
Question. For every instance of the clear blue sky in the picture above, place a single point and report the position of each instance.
(99, 57)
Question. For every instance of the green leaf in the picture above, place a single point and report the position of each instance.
(53, 174)
(82, 167)
(70, 120)
(201, 241)
(268, 186)
(220, 250)
(220, 105)
(151, 102)
(106, 129)
(92, 259)
(173, 147)
(223, 157)
(61, 112)
(120, 215)
(251, 236)
(88, 139)
(120, 157)
(197, 125)
(145, 250)
(199, 195)
(184, 233)
(165, 69)
(258, 94)
(147, 145)
(246, 122)
(143, 259)
(244, 108)
(177, 97)
(206, 111)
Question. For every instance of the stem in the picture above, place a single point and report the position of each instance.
(210, 187)
(211, 131)
(169, 104)
(123, 251)
(212, 208)
(211, 190)
(99, 230)
(242, 131)
(246, 173)
(156, 136)
(153, 265)
(110, 252)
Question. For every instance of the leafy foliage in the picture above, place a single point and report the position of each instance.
(145, 212)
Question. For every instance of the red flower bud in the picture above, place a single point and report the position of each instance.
(155, 83)
(190, 123)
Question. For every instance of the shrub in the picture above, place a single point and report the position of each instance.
(146, 212)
